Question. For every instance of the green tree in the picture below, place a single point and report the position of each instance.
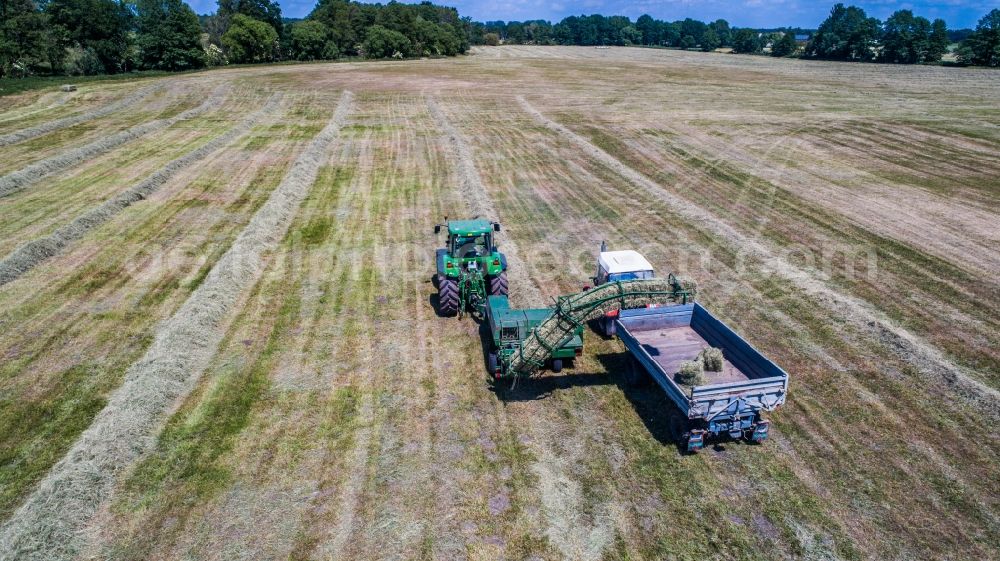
(723, 31)
(491, 39)
(99, 25)
(630, 35)
(267, 11)
(785, 46)
(384, 43)
(847, 34)
(710, 40)
(982, 47)
(309, 40)
(938, 43)
(746, 41)
(168, 35)
(249, 40)
(905, 38)
(688, 42)
(25, 38)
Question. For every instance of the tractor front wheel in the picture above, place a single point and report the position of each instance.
(498, 285)
(448, 296)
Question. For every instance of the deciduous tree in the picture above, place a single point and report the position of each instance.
(249, 40)
(168, 35)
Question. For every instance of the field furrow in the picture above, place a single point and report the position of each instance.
(219, 339)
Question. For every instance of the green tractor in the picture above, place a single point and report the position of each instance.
(470, 268)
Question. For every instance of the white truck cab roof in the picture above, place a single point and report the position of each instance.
(624, 261)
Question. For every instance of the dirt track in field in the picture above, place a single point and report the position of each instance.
(841, 217)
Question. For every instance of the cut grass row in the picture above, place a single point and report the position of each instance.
(122, 270)
(37, 212)
(34, 252)
(908, 398)
(788, 221)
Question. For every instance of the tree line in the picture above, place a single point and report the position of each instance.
(846, 34)
(77, 37)
(88, 37)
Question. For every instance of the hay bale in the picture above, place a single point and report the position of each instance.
(691, 372)
(712, 359)
(68, 87)
(690, 286)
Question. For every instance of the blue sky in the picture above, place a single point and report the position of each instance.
(745, 13)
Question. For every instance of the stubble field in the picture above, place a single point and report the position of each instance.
(218, 338)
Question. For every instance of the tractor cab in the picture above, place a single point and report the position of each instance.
(469, 267)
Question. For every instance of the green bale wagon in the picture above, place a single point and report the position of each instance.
(509, 328)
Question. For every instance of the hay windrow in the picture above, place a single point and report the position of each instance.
(52, 126)
(480, 203)
(929, 361)
(48, 525)
(25, 177)
(27, 256)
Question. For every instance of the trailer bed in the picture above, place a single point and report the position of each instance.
(659, 339)
(671, 346)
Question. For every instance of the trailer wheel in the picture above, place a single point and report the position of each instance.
(635, 373)
(492, 363)
(557, 365)
(448, 297)
(498, 285)
(678, 428)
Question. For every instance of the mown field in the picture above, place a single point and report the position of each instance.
(218, 339)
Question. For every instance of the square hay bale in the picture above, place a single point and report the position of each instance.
(712, 359)
(68, 88)
(691, 373)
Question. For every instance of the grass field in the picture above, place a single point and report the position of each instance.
(217, 337)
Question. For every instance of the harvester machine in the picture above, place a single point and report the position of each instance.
(470, 268)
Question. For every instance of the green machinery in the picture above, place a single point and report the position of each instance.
(557, 327)
(510, 327)
(470, 268)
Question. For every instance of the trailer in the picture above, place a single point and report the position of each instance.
(731, 401)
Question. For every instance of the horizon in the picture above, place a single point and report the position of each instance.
(958, 14)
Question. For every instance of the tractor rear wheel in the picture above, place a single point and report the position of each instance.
(448, 297)
(498, 285)
(557, 365)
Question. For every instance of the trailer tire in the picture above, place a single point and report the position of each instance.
(498, 285)
(635, 374)
(492, 363)
(448, 297)
(557, 365)
(678, 428)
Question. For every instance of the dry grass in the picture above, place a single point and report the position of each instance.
(339, 417)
